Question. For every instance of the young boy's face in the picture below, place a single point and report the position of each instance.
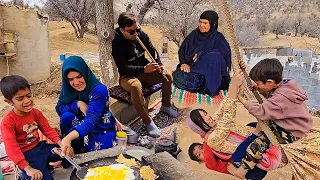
(22, 102)
(267, 87)
(199, 152)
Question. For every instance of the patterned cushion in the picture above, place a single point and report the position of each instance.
(120, 94)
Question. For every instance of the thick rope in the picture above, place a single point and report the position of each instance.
(224, 13)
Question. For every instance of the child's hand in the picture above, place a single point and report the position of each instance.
(257, 131)
(238, 172)
(35, 174)
(237, 79)
(241, 92)
(242, 64)
(253, 86)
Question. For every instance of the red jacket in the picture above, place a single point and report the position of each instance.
(20, 134)
(218, 161)
(213, 162)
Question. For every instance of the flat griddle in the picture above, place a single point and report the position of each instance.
(108, 161)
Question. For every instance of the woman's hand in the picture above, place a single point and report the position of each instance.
(236, 82)
(65, 146)
(237, 79)
(185, 68)
(83, 107)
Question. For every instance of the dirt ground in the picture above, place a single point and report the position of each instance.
(62, 40)
(186, 137)
(243, 117)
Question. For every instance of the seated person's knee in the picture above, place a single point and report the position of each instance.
(67, 117)
(136, 86)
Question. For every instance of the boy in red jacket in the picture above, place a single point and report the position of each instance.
(20, 131)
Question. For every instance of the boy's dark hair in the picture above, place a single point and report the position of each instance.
(10, 85)
(126, 19)
(196, 117)
(267, 69)
(191, 149)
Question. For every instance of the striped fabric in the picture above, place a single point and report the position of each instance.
(183, 98)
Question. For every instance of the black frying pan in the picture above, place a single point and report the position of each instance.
(108, 161)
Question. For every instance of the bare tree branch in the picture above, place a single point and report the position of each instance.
(78, 12)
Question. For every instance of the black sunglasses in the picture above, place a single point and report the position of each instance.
(131, 32)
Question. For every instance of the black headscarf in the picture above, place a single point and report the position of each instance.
(212, 17)
(197, 41)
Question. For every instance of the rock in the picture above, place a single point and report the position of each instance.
(4, 111)
(167, 167)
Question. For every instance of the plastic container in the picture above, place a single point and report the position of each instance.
(121, 139)
(62, 57)
(1, 176)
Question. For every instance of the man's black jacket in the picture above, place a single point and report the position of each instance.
(130, 56)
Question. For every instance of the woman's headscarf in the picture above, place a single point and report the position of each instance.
(212, 17)
(197, 124)
(206, 42)
(194, 127)
(68, 94)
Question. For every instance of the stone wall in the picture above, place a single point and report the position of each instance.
(33, 57)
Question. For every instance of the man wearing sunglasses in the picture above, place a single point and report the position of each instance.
(136, 71)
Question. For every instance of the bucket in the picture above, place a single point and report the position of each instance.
(62, 57)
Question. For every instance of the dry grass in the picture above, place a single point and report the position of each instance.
(68, 42)
(294, 42)
(63, 40)
(156, 37)
(54, 25)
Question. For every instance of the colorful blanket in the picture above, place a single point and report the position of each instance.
(184, 99)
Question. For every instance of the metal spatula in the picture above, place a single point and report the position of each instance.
(81, 171)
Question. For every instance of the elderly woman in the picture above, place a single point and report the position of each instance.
(226, 140)
(205, 58)
(85, 119)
